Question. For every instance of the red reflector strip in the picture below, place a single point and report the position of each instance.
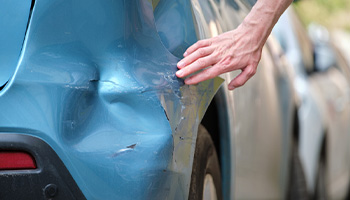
(16, 160)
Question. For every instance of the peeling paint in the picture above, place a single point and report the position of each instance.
(131, 146)
(122, 151)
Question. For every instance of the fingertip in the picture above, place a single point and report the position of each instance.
(193, 80)
(233, 84)
(179, 73)
(231, 87)
(185, 54)
(180, 64)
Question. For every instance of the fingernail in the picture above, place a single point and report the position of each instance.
(185, 54)
(180, 64)
(230, 87)
(179, 73)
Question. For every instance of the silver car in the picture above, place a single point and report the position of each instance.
(322, 86)
(253, 128)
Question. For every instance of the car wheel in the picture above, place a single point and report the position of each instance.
(205, 178)
(321, 192)
(297, 182)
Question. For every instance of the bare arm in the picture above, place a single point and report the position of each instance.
(239, 49)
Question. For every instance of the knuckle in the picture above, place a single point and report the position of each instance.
(224, 68)
(203, 43)
(201, 62)
(200, 43)
(216, 73)
(209, 43)
(220, 53)
(240, 83)
(207, 74)
(194, 47)
(226, 61)
(212, 72)
(215, 54)
(251, 71)
(201, 52)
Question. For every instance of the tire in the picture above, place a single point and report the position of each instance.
(297, 183)
(320, 191)
(348, 193)
(205, 165)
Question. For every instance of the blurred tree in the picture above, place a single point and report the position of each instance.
(334, 14)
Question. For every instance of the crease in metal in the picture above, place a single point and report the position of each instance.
(105, 96)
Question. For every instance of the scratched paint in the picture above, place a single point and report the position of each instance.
(96, 82)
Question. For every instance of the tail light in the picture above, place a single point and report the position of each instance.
(14, 160)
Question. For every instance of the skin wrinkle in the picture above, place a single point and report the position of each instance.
(239, 49)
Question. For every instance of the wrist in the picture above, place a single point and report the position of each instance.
(257, 30)
(263, 16)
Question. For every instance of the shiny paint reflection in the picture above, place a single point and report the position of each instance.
(324, 111)
(13, 24)
(95, 80)
(260, 115)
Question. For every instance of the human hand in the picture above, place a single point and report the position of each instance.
(239, 49)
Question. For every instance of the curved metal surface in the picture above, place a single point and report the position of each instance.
(96, 80)
(175, 26)
(259, 114)
(13, 24)
(311, 121)
(97, 84)
(324, 110)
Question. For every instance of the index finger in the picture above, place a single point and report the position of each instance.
(197, 45)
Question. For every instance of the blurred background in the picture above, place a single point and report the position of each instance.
(332, 14)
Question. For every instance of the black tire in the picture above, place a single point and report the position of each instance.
(297, 183)
(320, 190)
(205, 162)
(348, 193)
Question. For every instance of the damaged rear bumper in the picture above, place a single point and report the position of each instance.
(98, 86)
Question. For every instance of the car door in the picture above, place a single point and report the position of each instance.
(333, 87)
(261, 132)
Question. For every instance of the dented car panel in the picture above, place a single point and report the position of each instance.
(96, 82)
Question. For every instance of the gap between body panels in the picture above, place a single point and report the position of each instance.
(2, 87)
(29, 17)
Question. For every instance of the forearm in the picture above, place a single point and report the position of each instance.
(262, 18)
(239, 49)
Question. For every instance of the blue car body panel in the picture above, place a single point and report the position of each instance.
(13, 24)
(96, 82)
